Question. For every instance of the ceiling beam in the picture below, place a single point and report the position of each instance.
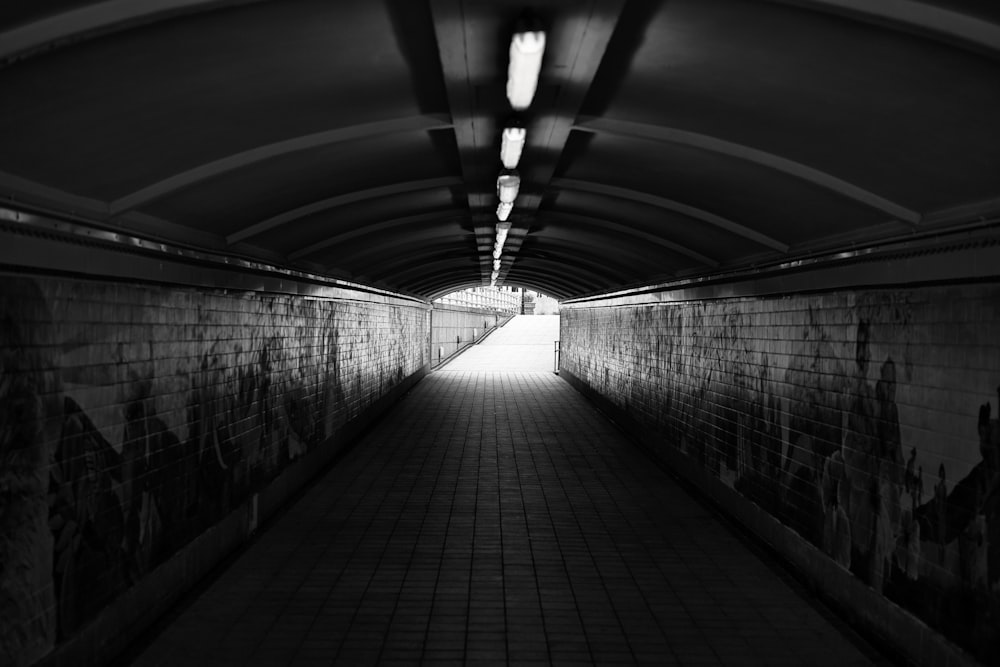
(742, 152)
(670, 205)
(646, 237)
(96, 18)
(422, 123)
(439, 285)
(14, 189)
(450, 287)
(340, 200)
(971, 212)
(560, 284)
(604, 253)
(404, 244)
(472, 125)
(419, 265)
(570, 282)
(569, 264)
(448, 215)
(923, 18)
(402, 254)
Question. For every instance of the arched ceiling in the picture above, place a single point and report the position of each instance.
(359, 139)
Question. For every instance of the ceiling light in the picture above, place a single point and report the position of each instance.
(511, 145)
(508, 183)
(503, 210)
(496, 264)
(502, 229)
(526, 49)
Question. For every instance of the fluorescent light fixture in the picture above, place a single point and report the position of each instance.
(526, 49)
(502, 229)
(508, 183)
(496, 264)
(511, 145)
(503, 210)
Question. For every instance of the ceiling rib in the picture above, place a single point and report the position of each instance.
(978, 211)
(449, 28)
(742, 152)
(629, 231)
(16, 188)
(98, 17)
(919, 17)
(400, 245)
(551, 286)
(553, 283)
(442, 216)
(340, 200)
(418, 265)
(568, 280)
(585, 263)
(446, 283)
(261, 153)
(671, 205)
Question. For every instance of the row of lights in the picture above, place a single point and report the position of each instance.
(526, 49)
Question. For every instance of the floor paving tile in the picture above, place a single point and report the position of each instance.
(496, 518)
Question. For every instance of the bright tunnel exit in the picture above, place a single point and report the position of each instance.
(495, 329)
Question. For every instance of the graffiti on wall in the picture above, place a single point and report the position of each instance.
(134, 418)
(835, 414)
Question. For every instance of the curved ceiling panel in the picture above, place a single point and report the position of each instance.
(142, 105)
(764, 206)
(331, 238)
(265, 189)
(360, 138)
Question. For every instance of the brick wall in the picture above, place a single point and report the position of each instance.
(455, 327)
(135, 417)
(863, 420)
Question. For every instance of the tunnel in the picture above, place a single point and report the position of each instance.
(227, 226)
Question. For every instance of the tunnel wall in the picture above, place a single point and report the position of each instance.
(855, 430)
(454, 328)
(147, 429)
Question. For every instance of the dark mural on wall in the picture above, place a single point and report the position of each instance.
(132, 418)
(864, 421)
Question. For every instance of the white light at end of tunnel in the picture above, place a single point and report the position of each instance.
(503, 210)
(511, 146)
(526, 49)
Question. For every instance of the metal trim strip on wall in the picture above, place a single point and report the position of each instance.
(40, 243)
(964, 257)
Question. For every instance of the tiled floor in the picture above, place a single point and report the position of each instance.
(496, 518)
